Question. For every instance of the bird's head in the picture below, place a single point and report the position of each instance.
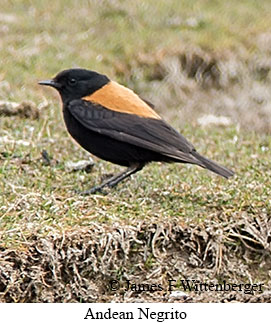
(76, 83)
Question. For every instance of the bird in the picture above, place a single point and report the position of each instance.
(115, 124)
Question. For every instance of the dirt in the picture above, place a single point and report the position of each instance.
(94, 264)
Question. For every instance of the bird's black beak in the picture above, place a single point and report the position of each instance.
(51, 83)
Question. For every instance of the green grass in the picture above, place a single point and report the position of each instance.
(38, 40)
(41, 199)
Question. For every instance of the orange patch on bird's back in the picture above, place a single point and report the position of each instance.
(116, 97)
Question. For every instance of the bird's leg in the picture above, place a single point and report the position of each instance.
(113, 181)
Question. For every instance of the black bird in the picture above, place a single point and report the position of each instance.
(115, 124)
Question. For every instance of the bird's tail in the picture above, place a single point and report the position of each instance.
(212, 166)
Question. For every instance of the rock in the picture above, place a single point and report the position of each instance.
(85, 165)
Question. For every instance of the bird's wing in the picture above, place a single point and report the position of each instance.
(149, 133)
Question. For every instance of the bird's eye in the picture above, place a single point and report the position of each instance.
(72, 82)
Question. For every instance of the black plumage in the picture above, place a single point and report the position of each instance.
(113, 123)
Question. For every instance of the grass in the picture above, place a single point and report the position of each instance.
(43, 198)
(37, 41)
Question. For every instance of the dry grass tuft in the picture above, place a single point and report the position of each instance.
(198, 82)
(77, 266)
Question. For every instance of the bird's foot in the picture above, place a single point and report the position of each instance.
(93, 190)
